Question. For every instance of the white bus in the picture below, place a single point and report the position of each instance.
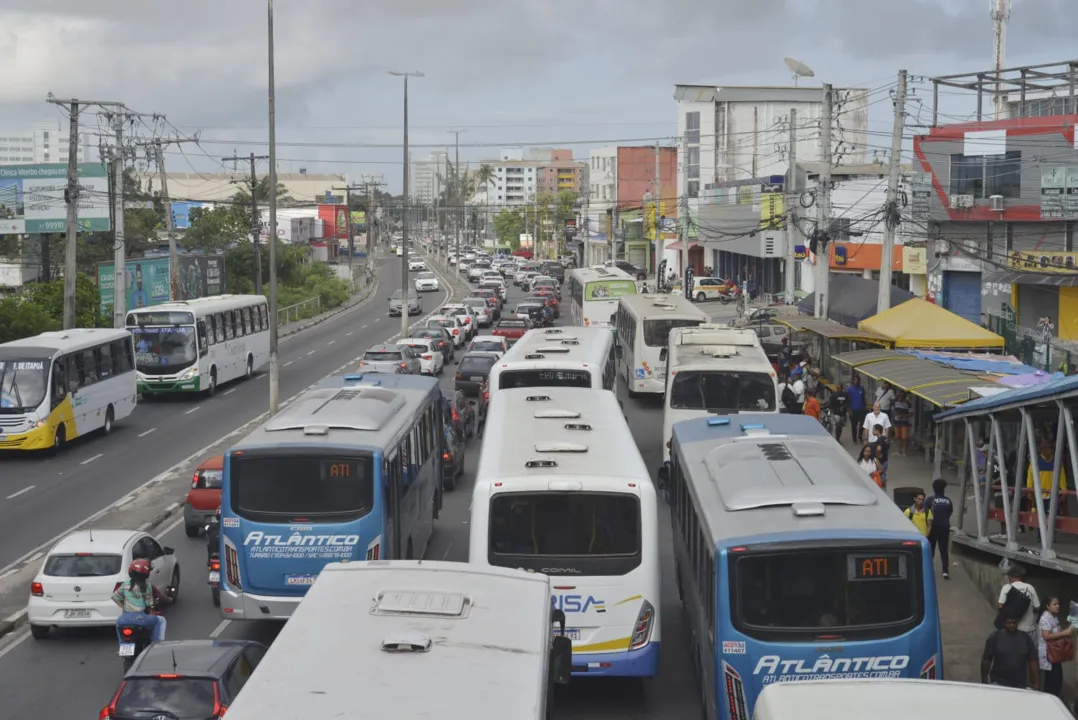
(562, 490)
(191, 346)
(643, 324)
(715, 370)
(61, 385)
(594, 294)
(580, 357)
(413, 639)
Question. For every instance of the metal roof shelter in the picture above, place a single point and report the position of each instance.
(828, 329)
(1059, 78)
(941, 385)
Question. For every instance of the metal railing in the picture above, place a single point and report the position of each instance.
(292, 313)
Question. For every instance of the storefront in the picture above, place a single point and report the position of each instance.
(908, 266)
(1043, 285)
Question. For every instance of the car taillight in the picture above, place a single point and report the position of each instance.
(456, 331)
(459, 377)
(456, 417)
(486, 395)
(36, 590)
(106, 712)
(117, 586)
(215, 565)
(127, 632)
(446, 456)
(404, 365)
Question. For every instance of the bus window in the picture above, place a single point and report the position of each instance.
(226, 319)
(248, 324)
(657, 332)
(204, 338)
(279, 488)
(59, 380)
(238, 329)
(87, 368)
(218, 328)
(103, 356)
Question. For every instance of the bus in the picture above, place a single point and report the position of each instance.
(194, 346)
(715, 370)
(558, 357)
(562, 490)
(351, 470)
(791, 563)
(643, 324)
(58, 386)
(485, 641)
(594, 293)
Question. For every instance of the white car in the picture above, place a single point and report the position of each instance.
(495, 344)
(451, 323)
(496, 284)
(430, 357)
(465, 315)
(400, 251)
(426, 282)
(75, 584)
(416, 264)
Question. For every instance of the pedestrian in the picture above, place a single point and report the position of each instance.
(857, 408)
(1055, 646)
(1019, 599)
(982, 465)
(798, 386)
(882, 447)
(939, 531)
(1010, 658)
(784, 356)
(788, 397)
(900, 417)
(919, 514)
(840, 406)
(874, 418)
(812, 406)
(885, 397)
(868, 462)
(1046, 461)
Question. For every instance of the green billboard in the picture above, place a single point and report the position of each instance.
(148, 281)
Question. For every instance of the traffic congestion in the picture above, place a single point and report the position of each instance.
(552, 439)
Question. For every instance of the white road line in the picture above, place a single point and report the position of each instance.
(220, 628)
(364, 327)
(9, 573)
(170, 527)
(312, 352)
(348, 334)
(331, 342)
(259, 375)
(26, 489)
(144, 434)
(288, 363)
(194, 409)
(378, 319)
(230, 391)
(90, 460)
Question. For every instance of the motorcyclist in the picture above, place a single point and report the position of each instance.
(213, 536)
(137, 598)
(548, 316)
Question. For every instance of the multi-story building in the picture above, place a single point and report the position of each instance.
(999, 205)
(428, 177)
(42, 142)
(520, 177)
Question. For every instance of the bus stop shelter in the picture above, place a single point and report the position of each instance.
(825, 339)
(918, 323)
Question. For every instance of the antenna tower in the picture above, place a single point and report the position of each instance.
(1000, 13)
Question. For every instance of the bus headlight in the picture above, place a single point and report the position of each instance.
(189, 373)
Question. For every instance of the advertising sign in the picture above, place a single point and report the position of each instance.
(1053, 189)
(32, 198)
(608, 289)
(334, 221)
(1044, 261)
(148, 281)
(359, 217)
(181, 214)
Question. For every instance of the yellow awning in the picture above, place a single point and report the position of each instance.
(918, 323)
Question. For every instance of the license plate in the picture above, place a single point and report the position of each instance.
(215, 577)
(76, 613)
(475, 378)
(571, 633)
(127, 649)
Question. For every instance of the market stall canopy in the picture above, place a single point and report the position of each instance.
(827, 329)
(918, 323)
(940, 385)
(853, 298)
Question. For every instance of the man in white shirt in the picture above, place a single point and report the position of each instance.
(1028, 622)
(874, 418)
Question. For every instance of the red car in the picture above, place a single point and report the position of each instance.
(204, 497)
(512, 329)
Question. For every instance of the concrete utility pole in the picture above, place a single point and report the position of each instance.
(406, 210)
(791, 220)
(657, 192)
(274, 370)
(351, 245)
(585, 261)
(457, 186)
(119, 258)
(683, 226)
(891, 214)
(823, 207)
(256, 221)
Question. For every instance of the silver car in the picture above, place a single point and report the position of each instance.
(392, 359)
(481, 308)
(415, 304)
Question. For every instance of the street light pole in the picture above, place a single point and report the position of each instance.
(404, 214)
(274, 396)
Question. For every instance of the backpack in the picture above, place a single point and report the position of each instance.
(789, 399)
(1015, 606)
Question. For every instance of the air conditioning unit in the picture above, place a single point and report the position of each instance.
(996, 203)
(961, 202)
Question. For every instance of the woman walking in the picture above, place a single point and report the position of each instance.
(1055, 646)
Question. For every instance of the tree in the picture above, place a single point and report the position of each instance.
(485, 175)
(261, 193)
(508, 227)
(218, 229)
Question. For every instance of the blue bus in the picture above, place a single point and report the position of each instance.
(791, 563)
(351, 470)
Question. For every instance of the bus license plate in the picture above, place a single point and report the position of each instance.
(76, 613)
(215, 577)
(571, 633)
(127, 649)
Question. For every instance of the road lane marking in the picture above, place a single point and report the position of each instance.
(90, 460)
(194, 409)
(348, 334)
(288, 363)
(259, 375)
(220, 629)
(144, 434)
(364, 327)
(312, 352)
(26, 489)
(331, 342)
(447, 549)
(230, 391)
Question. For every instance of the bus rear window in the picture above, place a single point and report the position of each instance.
(799, 595)
(559, 533)
(544, 378)
(280, 488)
(657, 332)
(722, 392)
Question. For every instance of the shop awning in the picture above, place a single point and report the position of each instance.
(1058, 389)
(853, 298)
(1016, 277)
(918, 323)
(949, 394)
(677, 245)
(910, 374)
(827, 329)
(857, 358)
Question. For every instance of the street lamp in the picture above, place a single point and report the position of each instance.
(404, 215)
(274, 396)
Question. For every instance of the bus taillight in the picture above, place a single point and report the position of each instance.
(928, 671)
(375, 548)
(642, 629)
(232, 566)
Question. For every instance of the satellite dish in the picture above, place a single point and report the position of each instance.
(799, 69)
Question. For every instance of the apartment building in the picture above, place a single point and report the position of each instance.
(520, 177)
(43, 142)
(428, 177)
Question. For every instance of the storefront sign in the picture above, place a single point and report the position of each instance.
(1053, 190)
(1044, 261)
(914, 260)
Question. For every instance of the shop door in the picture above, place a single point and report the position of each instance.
(962, 294)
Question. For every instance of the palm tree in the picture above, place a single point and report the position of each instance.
(261, 193)
(484, 175)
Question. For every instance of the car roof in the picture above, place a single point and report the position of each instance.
(217, 462)
(104, 540)
(193, 658)
(450, 318)
(414, 340)
(481, 354)
(493, 338)
(385, 347)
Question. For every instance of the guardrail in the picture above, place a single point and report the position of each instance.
(292, 313)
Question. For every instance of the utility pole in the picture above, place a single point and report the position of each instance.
(791, 220)
(406, 210)
(823, 207)
(456, 184)
(256, 221)
(585, 261)
(119, 292)
(683, 226)
(657, 192)
(274, 370)
(351, 245)
(891, 214)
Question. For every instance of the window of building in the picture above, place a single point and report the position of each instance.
(693, 162)
(984, 176)
(694, 188)
(692, 128)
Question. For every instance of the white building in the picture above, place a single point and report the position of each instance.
(426, 178)
(42, 142)
(303, 188)
(602, 179)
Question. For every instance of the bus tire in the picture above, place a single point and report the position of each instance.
(110, 418)
(250, 370)
(59, 439)
(211, 390)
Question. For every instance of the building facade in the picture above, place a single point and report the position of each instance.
(427, 177)
(521, 176)
(302, 188)
(42, 142)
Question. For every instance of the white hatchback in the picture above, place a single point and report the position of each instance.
(79, 575)
(416, 264)
(431, 361)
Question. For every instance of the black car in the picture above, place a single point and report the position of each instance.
(182, 679)
(453, 455)
(461, 415)
(439, 335)
(473, 372)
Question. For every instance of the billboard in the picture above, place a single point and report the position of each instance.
(32, 198)
(335, 221)
(181, 214)
(148, 280)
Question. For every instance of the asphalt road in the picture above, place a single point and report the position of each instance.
(41, 496)
(75, 673)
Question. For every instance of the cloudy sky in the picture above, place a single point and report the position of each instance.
(571, 73)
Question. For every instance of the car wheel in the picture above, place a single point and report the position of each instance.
(700, 297)
(39, 632)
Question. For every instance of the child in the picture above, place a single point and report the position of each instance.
(882, 447)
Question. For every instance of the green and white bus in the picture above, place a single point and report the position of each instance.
(193, 346)
(594, 293)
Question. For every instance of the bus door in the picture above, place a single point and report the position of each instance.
(391, 479)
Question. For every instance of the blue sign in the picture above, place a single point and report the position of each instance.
(181, 214)
(840, 254)
(800, 252)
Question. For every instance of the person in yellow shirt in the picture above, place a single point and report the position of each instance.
(919, 515)
(1046, 460)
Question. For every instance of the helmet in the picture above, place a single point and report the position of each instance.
(139, 569)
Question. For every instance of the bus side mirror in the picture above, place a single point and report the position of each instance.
(664, 475)
(662, 355)
(561, 651)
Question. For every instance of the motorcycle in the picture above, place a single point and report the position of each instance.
(213, 563)
(134, 638)
(834, 422)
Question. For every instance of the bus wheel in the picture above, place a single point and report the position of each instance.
(59, 439)
(250, 367)
(211, 389)
(109, 419)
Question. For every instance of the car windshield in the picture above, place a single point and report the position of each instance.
(83, 565)
(419, 348)
(476, 302)
(476, 365)
(487, 346)
(397, 295)
(318, 488)
(443, 323)
(719, 392)
(164, 347)
(23, 383)
(425, 276)
(176, 697)
(210, 479)
(383, 355)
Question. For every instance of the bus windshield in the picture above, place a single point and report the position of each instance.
(797, 595)
(164, 349)
(544, 378)
(23, 384)
(276, 488)
(657, 332)
(575, 533)
(719, 392)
